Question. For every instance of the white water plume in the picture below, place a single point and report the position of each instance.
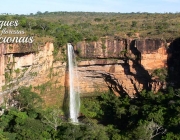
(74, 103)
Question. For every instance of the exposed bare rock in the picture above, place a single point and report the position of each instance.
(102, 78)
(29, 68)
(18, 48)
(99, 62)
(130, 73)
(157, 85)
(2, 68)
(105, 48)
(122, 65)
(153, 53)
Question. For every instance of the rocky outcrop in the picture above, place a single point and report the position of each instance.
(124, 65)
(120, 77)
(2, 68)
(18, 48)
(153, 53)
(98, 78)
(19, 65)
(156, 85)
(105, 48)
(24, 68)
(173, 62)
(121, 65)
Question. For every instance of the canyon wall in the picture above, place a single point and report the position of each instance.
(23, 66)
(121, 65)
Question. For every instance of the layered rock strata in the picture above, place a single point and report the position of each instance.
(122, 65)
(129, 72)
(24, 67)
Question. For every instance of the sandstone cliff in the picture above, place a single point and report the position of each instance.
(121, 65)
(22, 66)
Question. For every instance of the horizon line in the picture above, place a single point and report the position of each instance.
(48, 12)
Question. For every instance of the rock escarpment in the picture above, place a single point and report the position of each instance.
(123, 65)
(173, 62)
(23, 66)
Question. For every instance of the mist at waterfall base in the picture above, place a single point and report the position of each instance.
(74, 102)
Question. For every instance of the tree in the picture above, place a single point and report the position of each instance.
(22, 22)
(25, 99)
(30, 23)
(148, 130)
(52, 118)
(42, 24)
(32, 129)
(2, 137)
(39, 13)
(90, 131)
(171, 136)
(134, 24)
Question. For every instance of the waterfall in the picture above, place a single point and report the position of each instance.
(74, 103)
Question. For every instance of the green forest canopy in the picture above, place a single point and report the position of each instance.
(63, 27)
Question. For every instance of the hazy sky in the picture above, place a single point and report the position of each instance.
(123, 6)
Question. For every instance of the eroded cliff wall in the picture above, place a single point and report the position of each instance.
(23, 66)
(122, 65)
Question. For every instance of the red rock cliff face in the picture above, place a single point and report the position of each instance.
(2, 68)
(106, 48)
(123, 65)
(21, 66)
(153, 53)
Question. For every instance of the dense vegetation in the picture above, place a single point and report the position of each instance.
(123, 24)
(150, 116)
(63, 27)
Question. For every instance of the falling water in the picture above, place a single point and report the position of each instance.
(74, 88)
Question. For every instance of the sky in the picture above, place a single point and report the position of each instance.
(122, 6)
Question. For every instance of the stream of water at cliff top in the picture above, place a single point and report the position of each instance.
(74, 103)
